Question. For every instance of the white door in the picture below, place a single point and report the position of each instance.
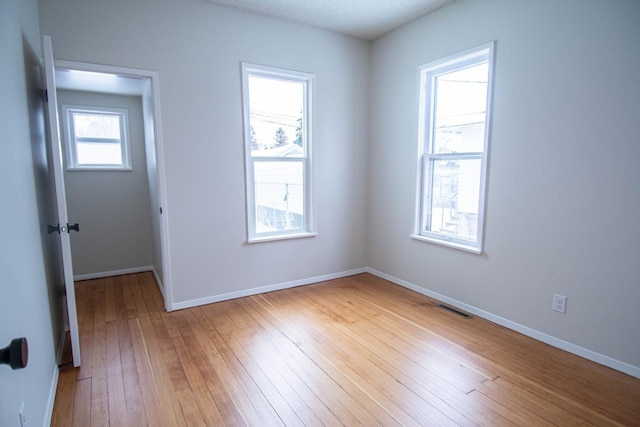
(61, 199)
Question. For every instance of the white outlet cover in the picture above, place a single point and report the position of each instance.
(559, 303)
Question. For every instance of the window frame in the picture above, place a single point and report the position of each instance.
(308, 81)
(71, 140)
(426, 156)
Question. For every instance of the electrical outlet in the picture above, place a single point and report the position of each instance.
(559, 303)
(23, 415)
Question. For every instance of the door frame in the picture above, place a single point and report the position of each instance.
(151, 96)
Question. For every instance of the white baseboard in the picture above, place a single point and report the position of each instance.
(540, 336)
(102, 274)
(264, 289)
(48, 413)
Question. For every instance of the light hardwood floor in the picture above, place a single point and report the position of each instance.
(352, 351)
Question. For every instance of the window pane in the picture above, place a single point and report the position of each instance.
(276, 117)
(279, 196)
(455, 198)
(460, 110)
(99, 153)
(87, 125)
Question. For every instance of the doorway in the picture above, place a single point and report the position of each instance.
(84, 78)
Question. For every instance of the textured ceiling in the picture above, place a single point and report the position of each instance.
(365, 19)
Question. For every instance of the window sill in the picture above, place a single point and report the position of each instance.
(453, 245)
(281, 237)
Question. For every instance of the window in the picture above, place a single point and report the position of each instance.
(96, 138)
(453, 141)
(277, 120)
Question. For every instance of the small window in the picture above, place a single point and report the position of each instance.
(96, 138)
(277, 119)
(453, 142)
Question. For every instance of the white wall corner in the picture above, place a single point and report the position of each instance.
(532, 333)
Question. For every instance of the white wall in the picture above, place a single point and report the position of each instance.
(24, 306)
(197, 48)
(112, 207)
(564, 181)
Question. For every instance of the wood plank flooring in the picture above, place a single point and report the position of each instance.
(352, 351)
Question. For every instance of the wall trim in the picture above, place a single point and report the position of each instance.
(102, 274)
(263, 289)
(48, 412)
(610, 362)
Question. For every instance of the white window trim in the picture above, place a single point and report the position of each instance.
(309, 80)
(425, 141)
(70, 143)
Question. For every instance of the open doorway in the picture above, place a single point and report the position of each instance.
(138, 218)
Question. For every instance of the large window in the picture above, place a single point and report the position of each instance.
(453, 138)
(96, 138)
(277, 120)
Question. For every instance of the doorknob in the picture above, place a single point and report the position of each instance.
(52, 229)
(15, 354)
